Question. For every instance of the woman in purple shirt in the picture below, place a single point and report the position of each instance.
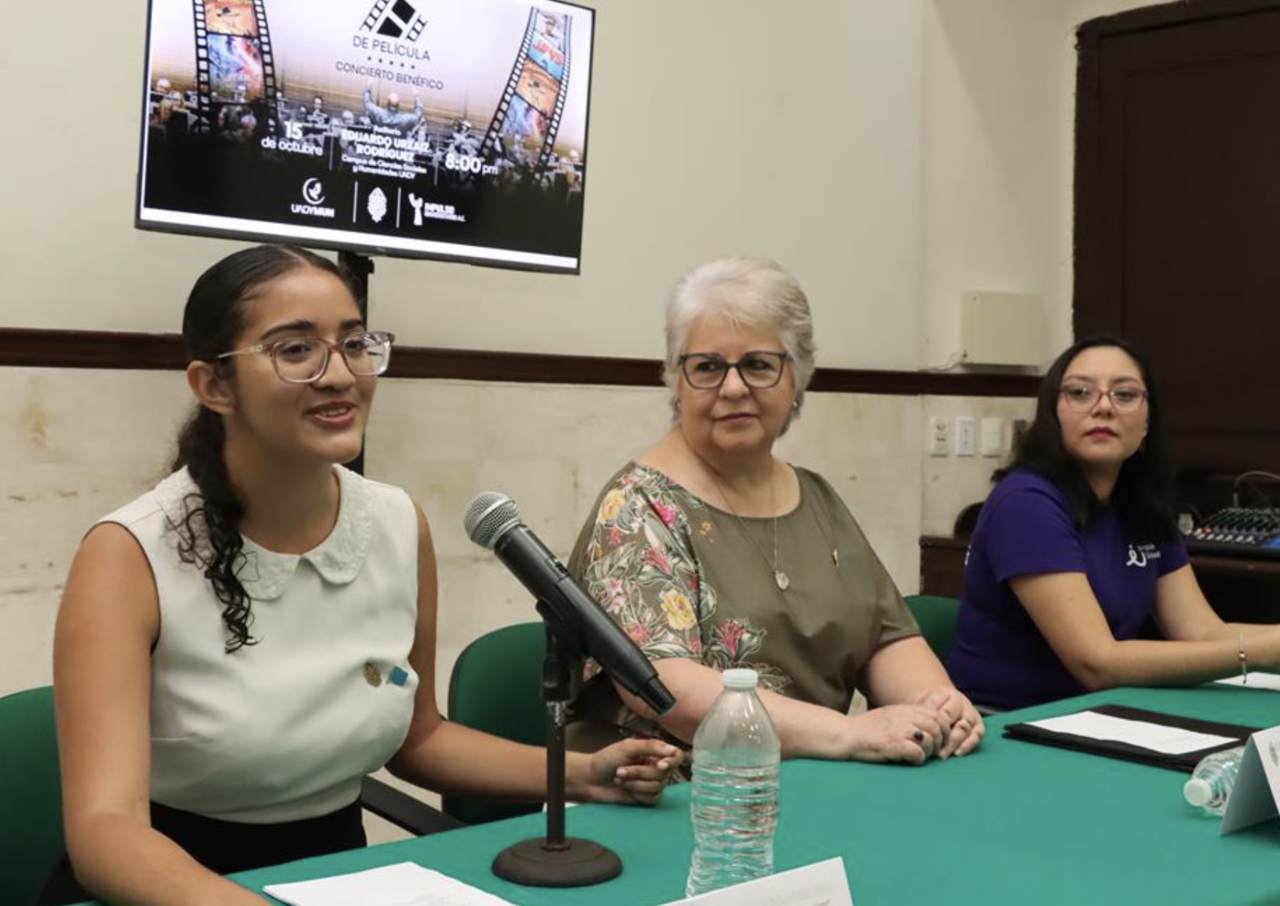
(1076, 550)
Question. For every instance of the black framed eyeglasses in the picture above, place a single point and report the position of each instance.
(301, 360)
(759, 369)
(1083, 397)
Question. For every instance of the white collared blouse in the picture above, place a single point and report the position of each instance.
(286, 728)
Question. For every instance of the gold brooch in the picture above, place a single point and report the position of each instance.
(372, 676)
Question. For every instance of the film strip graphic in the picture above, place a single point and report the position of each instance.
(203, 82)
(270, 88)
(235, 62)
(403, 20)
(541, 69)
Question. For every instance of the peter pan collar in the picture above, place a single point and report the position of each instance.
(265, 573)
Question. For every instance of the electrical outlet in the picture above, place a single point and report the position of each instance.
(966, 435)
(939, 440)
(992, 436)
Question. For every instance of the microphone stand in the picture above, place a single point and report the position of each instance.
(557, 860)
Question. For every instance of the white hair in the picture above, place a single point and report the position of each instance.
(754, 292)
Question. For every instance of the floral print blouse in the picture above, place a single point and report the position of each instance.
(684, 579)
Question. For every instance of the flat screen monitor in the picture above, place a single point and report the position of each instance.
(450, 129)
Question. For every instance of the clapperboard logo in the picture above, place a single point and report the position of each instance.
(399, 19)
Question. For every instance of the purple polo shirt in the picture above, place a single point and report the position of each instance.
(1026, 527)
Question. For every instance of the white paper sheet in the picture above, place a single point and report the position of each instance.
(819, 884)
(404, 884)
(1256, 681)
(1156, 737)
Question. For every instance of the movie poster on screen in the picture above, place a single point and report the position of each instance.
(441, 128)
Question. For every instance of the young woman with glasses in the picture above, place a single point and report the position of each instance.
(711, 552)
(1076, 552)
(238, 647)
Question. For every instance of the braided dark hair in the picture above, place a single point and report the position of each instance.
(209, 533)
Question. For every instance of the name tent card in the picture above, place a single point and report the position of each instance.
(1256, 795)
(819, 884)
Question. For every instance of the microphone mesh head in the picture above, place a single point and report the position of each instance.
(489, 516)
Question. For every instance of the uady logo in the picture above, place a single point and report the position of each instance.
(400, 20)
(313, 196)
(313, 191)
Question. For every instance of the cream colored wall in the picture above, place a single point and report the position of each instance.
(794, 135)
(950, 484)
(997, 142)
(997, 166)
(893, 154)
(76, 444)
(748, 138)
(1079, 11)
(70, 456)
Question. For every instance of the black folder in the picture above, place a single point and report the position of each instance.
(1185, 762)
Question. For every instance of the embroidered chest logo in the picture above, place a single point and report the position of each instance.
(1141, 554)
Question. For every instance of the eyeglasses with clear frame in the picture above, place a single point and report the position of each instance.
(302, 360)
(758, 369)
(1083, 397)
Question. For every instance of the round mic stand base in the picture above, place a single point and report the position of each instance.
(575, 863)
(557, 860)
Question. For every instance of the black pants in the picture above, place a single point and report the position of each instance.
(230, 846)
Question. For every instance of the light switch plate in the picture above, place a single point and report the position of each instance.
(992, 437)
(939, 440)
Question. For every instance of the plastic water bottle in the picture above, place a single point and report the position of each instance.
(735, 788)
(1212, 780)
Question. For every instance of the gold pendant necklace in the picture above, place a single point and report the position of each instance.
(780, 577)
(822, 529)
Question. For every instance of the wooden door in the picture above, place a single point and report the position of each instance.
(1177, 225)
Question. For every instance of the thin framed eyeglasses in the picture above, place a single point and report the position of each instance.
(301, 360)
(759, 369)
(1083, 397)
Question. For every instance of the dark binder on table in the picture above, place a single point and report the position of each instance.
(1184, 762)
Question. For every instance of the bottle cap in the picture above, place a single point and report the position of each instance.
(1197, 791)
(740, 678)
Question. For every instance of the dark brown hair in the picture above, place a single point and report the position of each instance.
(1142, 492)
(209, 534)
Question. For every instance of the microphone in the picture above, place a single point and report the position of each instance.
(493, 520)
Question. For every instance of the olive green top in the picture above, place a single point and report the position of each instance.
(685, 579)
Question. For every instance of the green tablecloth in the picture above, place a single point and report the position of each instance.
(1013, 823)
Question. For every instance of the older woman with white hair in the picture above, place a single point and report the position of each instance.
(712, 553)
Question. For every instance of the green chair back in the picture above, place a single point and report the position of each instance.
(496, 687)
(31, 841)
(938, 617)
